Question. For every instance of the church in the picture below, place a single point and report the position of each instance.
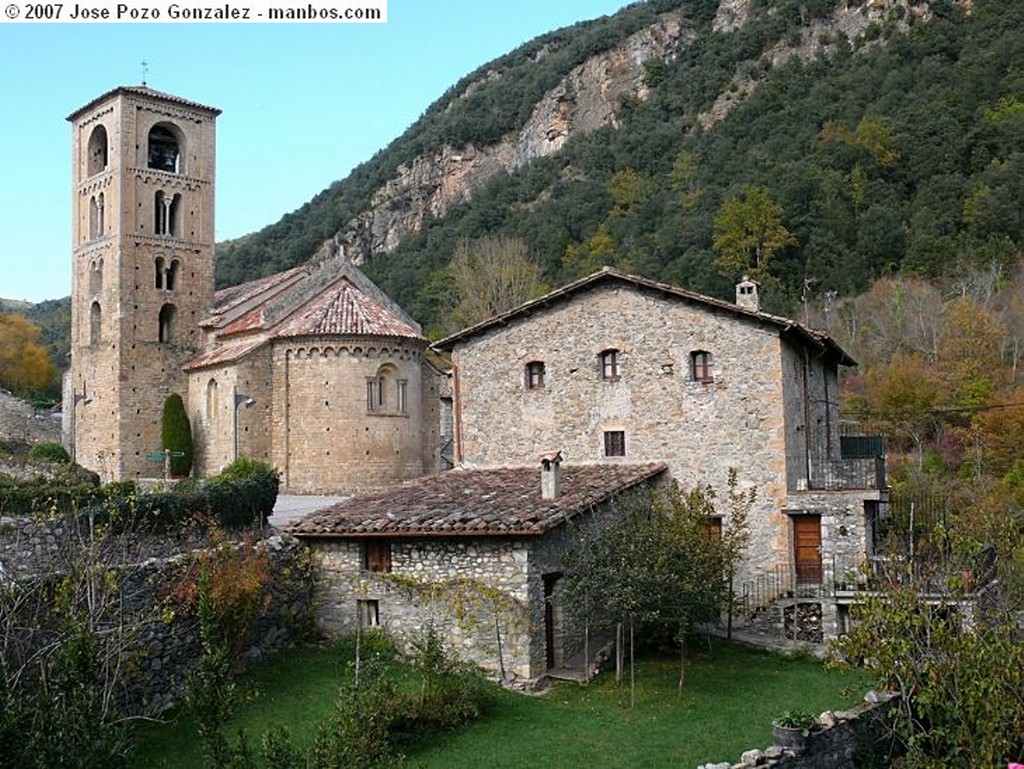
(313, 370)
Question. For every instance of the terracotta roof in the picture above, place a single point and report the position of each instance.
(225, 353)
(497, 502)
(149, 93)
(815, 339)
(228, 298)
(344, 309)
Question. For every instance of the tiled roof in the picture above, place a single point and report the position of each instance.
(225, 353)
(476, 503)
(815, 339)
(343, 309)
(229, 298)
(143, 90)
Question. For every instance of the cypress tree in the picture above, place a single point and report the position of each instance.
(176, 435)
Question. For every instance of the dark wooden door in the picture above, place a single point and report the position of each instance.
(807, 549)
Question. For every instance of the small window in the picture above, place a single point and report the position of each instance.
(610, 364)
(95, 324)
(211, 399)
(402, 389)
(369, 613)
(377, 555)
(372, 394)
(715, 528)
(700, 366)
(166, 323)
(159, 268)
(535, 375)
(615, 443)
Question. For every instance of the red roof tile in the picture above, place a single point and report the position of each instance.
(344, 309)
(495, 502)
(225, 353)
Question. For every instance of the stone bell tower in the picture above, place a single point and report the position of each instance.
(142, 262)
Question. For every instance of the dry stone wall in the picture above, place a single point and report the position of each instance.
(163, 643)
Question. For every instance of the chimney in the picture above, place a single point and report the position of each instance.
(747, 294)
(550, 475)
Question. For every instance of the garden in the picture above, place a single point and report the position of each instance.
(732, 694)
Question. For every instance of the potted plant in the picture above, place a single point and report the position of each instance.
(791, 728)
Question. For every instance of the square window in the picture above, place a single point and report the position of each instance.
(701, 366)
(377, 555)
(615, 443)
(610, 364)
(369, 613)
(535, 375)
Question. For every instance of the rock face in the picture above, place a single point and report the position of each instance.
(588, 98)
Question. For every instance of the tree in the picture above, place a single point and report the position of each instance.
(749, 233)
(961, 687)
(659, 563)
(489, 276)
(25, 366)
(176, 436)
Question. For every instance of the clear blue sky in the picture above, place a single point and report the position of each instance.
(302, 105)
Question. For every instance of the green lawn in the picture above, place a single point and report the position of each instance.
(731, 694)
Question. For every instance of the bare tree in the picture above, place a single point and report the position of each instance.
(489, 276)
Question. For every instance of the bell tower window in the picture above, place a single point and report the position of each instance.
(166, 323)
(166, 212)
(96, 276)
(96, 160)
(164, 150)
(95, 324)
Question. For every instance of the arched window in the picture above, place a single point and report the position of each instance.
(96, 276)
(166, 214)
(164, 149)
(100, 227)
(211, 399)
(700, 366)
(171, 281)
(95, 324)
(94, 218)
(609, 360)
(166, 321)
(378, 401)
(159, 269)
(96, 159)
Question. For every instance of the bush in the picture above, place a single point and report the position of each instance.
(50, 452)
(243, 494)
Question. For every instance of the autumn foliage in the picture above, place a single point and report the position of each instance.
(25, 366)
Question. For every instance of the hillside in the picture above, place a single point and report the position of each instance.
(890, 134)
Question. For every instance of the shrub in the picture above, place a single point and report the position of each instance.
(50, 452)
(176, 435)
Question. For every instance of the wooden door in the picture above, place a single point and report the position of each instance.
(807, 549)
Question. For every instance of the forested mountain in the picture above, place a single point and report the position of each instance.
(882, 137)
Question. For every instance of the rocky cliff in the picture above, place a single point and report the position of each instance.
(591, 97)
(588, 98)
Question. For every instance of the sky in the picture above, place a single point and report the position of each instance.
(302, 105)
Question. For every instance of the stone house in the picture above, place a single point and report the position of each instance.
(476, 553)
(312, 369)
(614, 369)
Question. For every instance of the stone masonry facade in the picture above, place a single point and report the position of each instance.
(743, 417)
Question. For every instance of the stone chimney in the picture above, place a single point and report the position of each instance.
(747, 295)
(550, 475)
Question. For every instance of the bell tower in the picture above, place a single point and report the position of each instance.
(142, 269)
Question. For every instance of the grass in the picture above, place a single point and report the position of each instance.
(731, 695)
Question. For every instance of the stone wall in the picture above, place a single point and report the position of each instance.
(414, 594)
(860, 737)
(163, 640)
(700, 428)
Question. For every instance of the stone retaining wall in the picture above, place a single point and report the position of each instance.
(162, 643)
(860, 737)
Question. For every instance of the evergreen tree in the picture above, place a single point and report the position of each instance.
(176, 435)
